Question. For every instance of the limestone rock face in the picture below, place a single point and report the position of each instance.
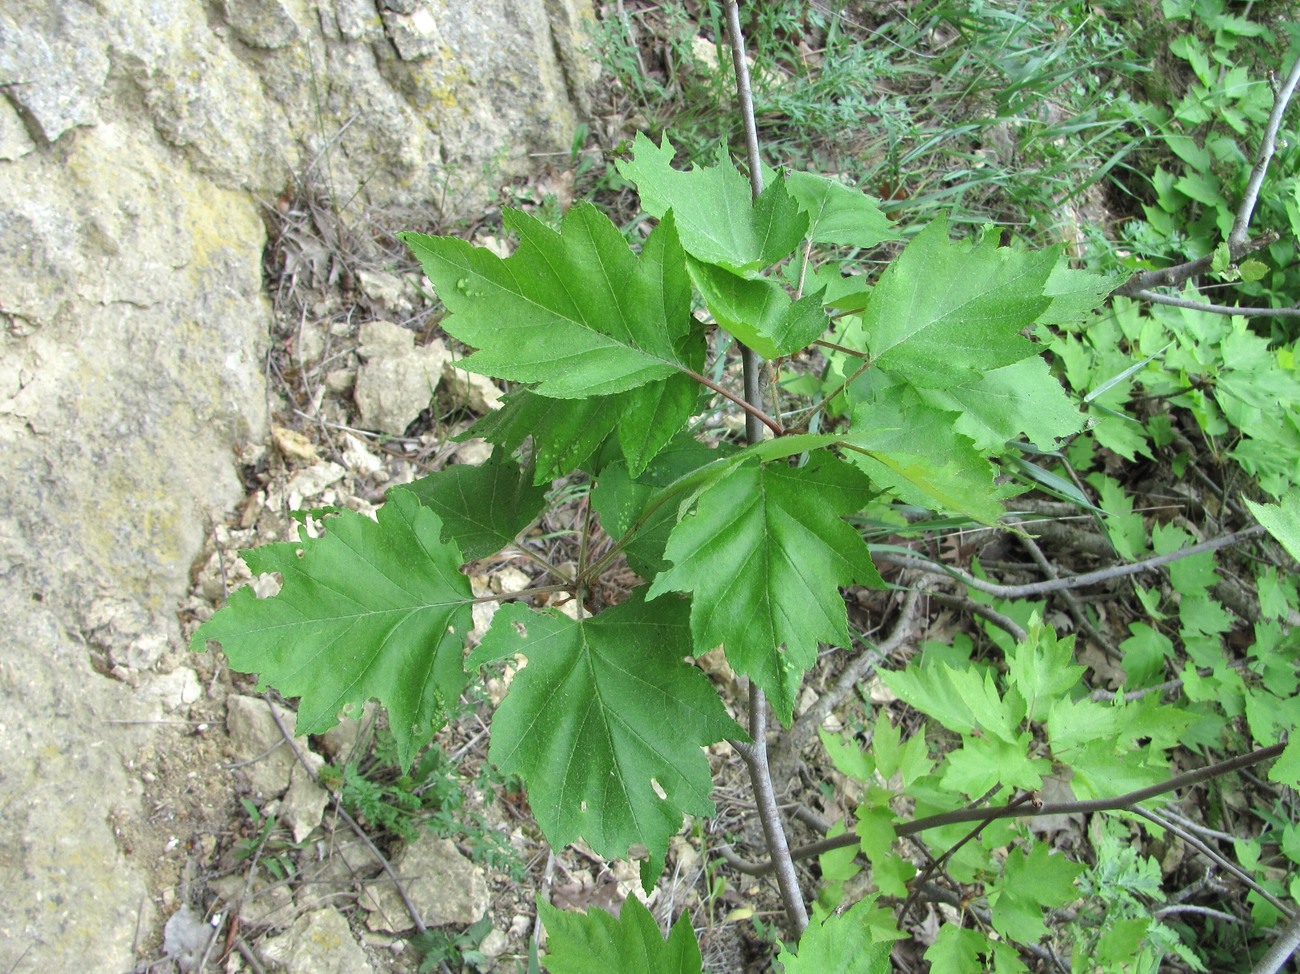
(138, 143)
(383, 102)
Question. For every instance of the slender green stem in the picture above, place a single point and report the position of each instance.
(855, 352)
(541, 562)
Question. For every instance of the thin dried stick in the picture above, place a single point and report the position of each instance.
(1120, 803)
(1211, 854)
(1219, 309)
(1267, 146)
(1281, 950)
(793, 740)
(1073, 581)
(352, 823)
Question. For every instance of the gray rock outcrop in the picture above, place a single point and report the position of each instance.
(138, 145)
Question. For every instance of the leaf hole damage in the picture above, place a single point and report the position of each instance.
(659, 789)
(520, 629)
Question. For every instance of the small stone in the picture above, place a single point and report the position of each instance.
(304, 803)
(494, 945)
(386, 289)
(311, 343)
(474, 452)
(185, 937)
(293, 445)
(312, 481)
(398, 380)
(267, 902)
(340, 740)
(175, 690)
(255, 737)
(340, 381)
(509, 580)
(472, 391)
(444, 886)
(358, 457)
(520, 925)
(319, 942)
(877, 692)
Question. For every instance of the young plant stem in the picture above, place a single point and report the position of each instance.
(755, 755)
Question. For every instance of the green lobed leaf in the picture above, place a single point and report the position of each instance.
(1145, 653)
(1125, 528)
(598, 943)
(1281, 520)
(844, 943)
(759, 312)
(575, 312)
(847, 756)
(1031, 883)
(481, 508)
(1002, 404)
(944, 311)
(1191, 576)
(634, 510)
(982, 763)
(1075, 294)
(372, 609)
(837, 867)
(957, 950)
(1286, 769)
(910, 447)
(1102, 771)
(719, 220)
(960, 700)
(875, 829)
(584, 721)
(839, 214)
(567, 433)
(763, 554)
(1042, 668)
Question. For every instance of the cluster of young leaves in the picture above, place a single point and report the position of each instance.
(1187, 384)
(1208, 133)
(744, 548)
(1215, 703)
(1011, 728)
(1137, 366)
